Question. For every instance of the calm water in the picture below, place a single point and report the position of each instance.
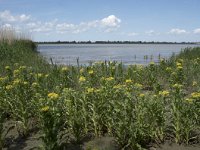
(127, 53)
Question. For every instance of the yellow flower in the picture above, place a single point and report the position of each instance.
(141, 95)
(194, 83)
(179, 67)
(152, 63)
(128, 81)
(195, 95)
(53, 96)
(82, 79)
(47, 75)
(16, 81)
(164, 93)
(35, 84)
(178, 64)
(119, 86)
(16, 72)
(2, 79)
(189, 100)
(109, 79)
(25, 83)
(7, 67)
(45, 108)
(64, 69)
(90, 90)
(22, 67)
(168, 69)
(39, 75)
(177, 86)
(9, 87)
(90, 71)
(81, 70)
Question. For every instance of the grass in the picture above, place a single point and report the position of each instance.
(137, 105)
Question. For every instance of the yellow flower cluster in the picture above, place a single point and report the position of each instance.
(128, 81)
(109, 79)
(45, 109)
(81, 70)
(164, 93)
(90, 90)
(179, 65)
(82, 79)
(64, 69)
(195, 95)
(53, 96)
(90, 72)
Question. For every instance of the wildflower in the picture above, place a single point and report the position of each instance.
(53, 96)
(109, 79)
(82, 79)
(128, 81)
(45, 108)
(16, 72)
(39, 75)
(22, 67)
(90, 72)
(152, 63)
(9, 87)
(47, 75)
(195, 95)
(90, 90)
(25, 83)
(164, 93)
(2, 79)
(81, 70)
(64, 69)
(141, 95)
(178, 64)
(34, 84)
(189, 100)
(177, 86)
(16, 81)
(7, 67)
(169, 69)
(119, 86)
(179, 67)
(194, 83)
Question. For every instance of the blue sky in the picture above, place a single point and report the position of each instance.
(82, 20)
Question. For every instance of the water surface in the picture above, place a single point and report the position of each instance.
(127, 53)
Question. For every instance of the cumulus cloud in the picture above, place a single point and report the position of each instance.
(107, 24)
(196, 31)
(111, 21)
(8, 17)
(177, 31)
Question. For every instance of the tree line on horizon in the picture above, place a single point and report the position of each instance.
(112, 42)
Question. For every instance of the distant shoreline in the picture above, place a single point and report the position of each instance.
(113, 42)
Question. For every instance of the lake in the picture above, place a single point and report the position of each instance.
(127, 53)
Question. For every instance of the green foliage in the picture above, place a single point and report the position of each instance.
(136, 104)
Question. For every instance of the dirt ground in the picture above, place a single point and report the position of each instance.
(33, 141)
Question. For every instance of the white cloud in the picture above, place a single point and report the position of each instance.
(8, 17)
(177, 31)
(196, 31)
(107, 24)
(150, 32)
(132, 34)
(111, 21)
